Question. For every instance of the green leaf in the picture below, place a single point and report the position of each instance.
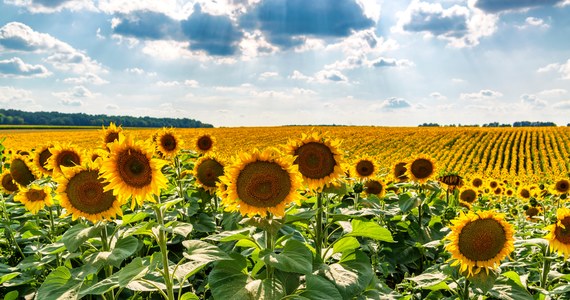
(371, 230)
(13, 295)
(265, 289)
(59, 284)
(431, 280)
(228, 236)
(200, 254)
(507, 289)
(134, 270)
(407, 202)
(189, 296)
(295, 257)
(227, 281)
(485, 281)
(78, 234)
(351, 276)
(319, 288)
(133, 218)
(345, 244)
(8, 277)
(124, 248)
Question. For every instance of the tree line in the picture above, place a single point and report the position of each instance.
(18, 117)
(496, 124)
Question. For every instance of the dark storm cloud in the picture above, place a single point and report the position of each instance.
(437, 23)
(216, 35)
(495, 6)
(147, 25)
(282, 20)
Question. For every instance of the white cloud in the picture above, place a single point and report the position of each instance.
(297, 75)
(330, 75)
(111, 106)
(533, 22)
(481, 95)
(53, 6)
(191, 83)
(562, 104)
(75, 96)
(553, 92)
(371, 8)
(139, 71)
(89, 78)
(10, 94)
(267, 75)
(167, 83)
(17, 68)
(437, 96)
(394, 103)
(533, 101)
(562, 68)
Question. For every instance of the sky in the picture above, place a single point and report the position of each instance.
(285, 62)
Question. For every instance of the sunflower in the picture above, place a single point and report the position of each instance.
(64, 155)
(524, 192)
(41, 158)
(205, 143)
(559, 235)
(493, 184)
(82, 193)
(420, 169)
(562, 186)
(34, 197)
(480, 240)
(374, 186)
(110, 134)
(261, 183)
(468, 195)
(509, 192)
(98, 154)
(451, 179)
(167, 143)
(21, 170)
(400, 171)
(498, 191)
(318, 158)
(131, 171)
(8, 185)
(532, 211)
(364, 168)
(207, 171)
(476, 181)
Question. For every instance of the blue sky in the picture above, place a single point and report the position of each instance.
(277, 62)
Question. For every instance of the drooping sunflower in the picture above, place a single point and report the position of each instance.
(375, 186)
(562, 186)
(168, 143)
(205, 143)
(8, 185)
(559, 233)
(22, 171)
(400, 171)
(207, 172)
(34, 197)
(261, 183)
(451, 179)
(468, 195)
(364, 167)
(420, 169)
(318, 158)
(480, 240)
(82, 193)
(41, 158)
(132, 172)
(64, 155)
(110, 134)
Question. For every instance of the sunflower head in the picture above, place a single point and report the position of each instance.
(562, 186)
(132, 172)
(35, 197)
(23, 173)
(82, 193)
(559, 233)
(318, 158)
(375, 186)
(400, 171)
(110, 134)
(524, 192)
(8, 185)
(64, 155)
(477, 181)
(451, 179)
(364, 167)
(207, 172)
(468, 195)
(532, 211)
(168, 143)
(420, 169)
(259, 183)
(205, 143)
(493, 184)
(41, 158)
(480, 240)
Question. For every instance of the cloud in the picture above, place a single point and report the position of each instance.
(394, 103)
(111, 106)
(74, 96)
(139, 71)
(480, 96)
(461, 26)
(191, 83)
(90, 78)
(267, 75)
(391, 62)
(437, 96)
(297, 75)
(562, 68)
(562, 104)
(51, 6)
(217, 35)
(167, 83)
(535, 22)
(533, 101)
(146, 25)
(9, 95)
(553, 92)
(15, 67)
(19, 37)
(497, 6)
(287, 22)
(330, 75)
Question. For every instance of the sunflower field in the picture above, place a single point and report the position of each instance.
(285, 213)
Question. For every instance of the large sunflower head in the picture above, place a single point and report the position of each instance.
(420, 169)
(365, 167)
(559, 233)
(82, 193)
(480, 240)
(41, 158)
(477, 181)
(8, 185)
(34, 197)
(400, 171)
(562, 186)
(205, 143)
(64, 155)
(168, 143)
(207, 172)
(375, 186)
(22, 171)
(110, 134)
(524, 192)
(318, 158)
(132, 172)
(468, 195)
(261, 183)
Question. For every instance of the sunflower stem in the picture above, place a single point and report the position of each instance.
(52, 224)
(269, 246)
(319, 226)
(106, 248)
(466, 290)
(545, 268)
(164, 250)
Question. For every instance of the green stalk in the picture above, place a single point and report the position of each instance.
(466, 290)
(52, 223)
(269, 246)
(105, 244)
(319, 226)
(545, 268)
(164, 251)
